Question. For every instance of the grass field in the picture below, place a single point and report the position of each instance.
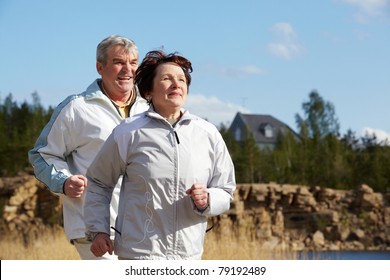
(52, 245)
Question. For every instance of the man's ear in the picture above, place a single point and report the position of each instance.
(99, 67)
(148, 97)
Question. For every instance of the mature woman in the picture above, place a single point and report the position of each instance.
(176, 172)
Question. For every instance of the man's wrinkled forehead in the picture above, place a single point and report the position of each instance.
(121, 52)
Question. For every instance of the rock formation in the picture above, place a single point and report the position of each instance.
(277, 216)
(304, 218)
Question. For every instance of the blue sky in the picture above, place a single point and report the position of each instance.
(252, 56)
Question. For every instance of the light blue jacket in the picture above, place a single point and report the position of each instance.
(68, 144)
(156, 218)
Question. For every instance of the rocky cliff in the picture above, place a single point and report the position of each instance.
(277, 216)
(303, 218)
(27, 207)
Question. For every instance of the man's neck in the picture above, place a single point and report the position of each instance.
(119, 100)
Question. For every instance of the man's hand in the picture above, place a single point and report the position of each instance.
(199, 195)
(102, 244)
(75, 186)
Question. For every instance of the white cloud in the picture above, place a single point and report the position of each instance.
(381, 135)
(361, 35)
(369, 8)
(242, 72)
(235, 72)
(285, 43)
(213, 109)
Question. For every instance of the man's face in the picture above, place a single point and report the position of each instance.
(118, 72)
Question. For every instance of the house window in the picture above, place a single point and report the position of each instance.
(269, 131)
(238, 134)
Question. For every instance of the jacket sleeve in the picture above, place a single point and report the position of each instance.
(48, 156)
(103, 174)
(222, 183)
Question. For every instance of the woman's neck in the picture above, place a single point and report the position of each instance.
(172, 118)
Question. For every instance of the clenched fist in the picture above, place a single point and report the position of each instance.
(75, 186)
(199, 195)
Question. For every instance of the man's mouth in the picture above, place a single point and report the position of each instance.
(125, 78)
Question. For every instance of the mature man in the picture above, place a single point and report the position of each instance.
(77, 129)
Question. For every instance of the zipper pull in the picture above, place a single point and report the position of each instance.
(177, 137)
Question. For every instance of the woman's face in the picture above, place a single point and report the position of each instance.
(169, 89)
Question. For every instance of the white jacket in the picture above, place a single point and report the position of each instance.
(70, 141)
(157, 219)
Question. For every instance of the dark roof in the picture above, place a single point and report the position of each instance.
(257, 123)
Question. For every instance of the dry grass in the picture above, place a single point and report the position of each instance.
(52, 245)
(232, 248)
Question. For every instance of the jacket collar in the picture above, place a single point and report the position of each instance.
(186, 115)
(94, 91)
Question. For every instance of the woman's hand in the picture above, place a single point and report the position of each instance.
(102, 244)
(199, 195)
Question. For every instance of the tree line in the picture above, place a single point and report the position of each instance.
(320, 156)
(20, 126)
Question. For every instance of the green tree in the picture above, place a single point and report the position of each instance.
(246, 158)
(318, 130)
(372, 163)
(285, 159)
(20, 126)
(320, 119)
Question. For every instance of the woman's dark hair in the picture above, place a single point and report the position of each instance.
(147, 69)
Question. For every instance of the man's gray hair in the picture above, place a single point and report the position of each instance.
(101, 51)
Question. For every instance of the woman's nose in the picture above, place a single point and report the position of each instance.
(176, 83)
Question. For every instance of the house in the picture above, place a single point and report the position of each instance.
(264, 128)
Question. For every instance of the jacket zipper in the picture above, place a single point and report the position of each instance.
(176, 192)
